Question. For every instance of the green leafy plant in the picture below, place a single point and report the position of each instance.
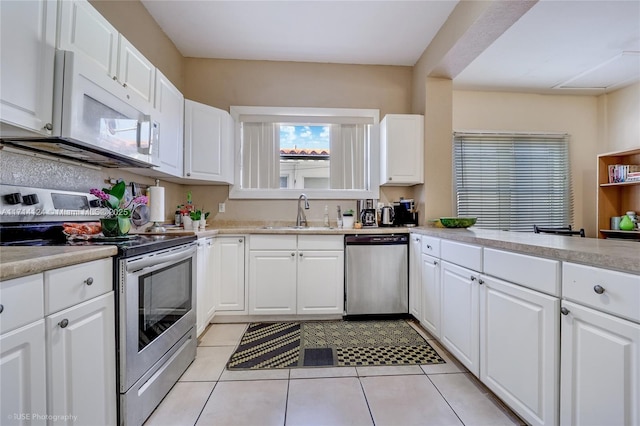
(195, 215)
(348, 212)
(114, 200)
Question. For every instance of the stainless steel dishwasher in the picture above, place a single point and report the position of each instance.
(377, 274)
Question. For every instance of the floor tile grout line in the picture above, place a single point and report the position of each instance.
(205, 403)
(445, 400)
(366, 400)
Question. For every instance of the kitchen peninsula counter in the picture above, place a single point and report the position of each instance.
(21, 261)
(606, 253)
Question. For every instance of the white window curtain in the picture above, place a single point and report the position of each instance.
(348, 166)
(260, 156)
(513, 181)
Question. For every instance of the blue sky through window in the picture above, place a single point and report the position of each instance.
(314, 137)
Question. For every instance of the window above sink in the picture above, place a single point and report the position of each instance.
(329, 153)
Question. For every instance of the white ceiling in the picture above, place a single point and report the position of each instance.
(568, 47)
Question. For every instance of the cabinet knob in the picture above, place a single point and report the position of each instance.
(1, 308)
(473, 278)
(124, 84)
(300, 254)
(48, 126)
(89, 281)
(429, 247)
(188, 174)
(240, 241)
(64, 323)
(598, 289)
(435, 262)
(390, 178)
(564, 311)
(115, 78)
(480, 281)
(293, 254)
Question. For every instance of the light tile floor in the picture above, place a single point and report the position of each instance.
(208, 394)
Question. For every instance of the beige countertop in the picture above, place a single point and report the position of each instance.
(22, 261)
(606, 253)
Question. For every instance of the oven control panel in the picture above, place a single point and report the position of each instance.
(28, 204)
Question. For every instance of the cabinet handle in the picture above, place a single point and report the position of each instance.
(188, 174)
(480, 281)
(435, 262)
(64, 323)
(240, 240)
(293, 254)
(473, 278)
(1, 308)
(300, 254)
(429, 247)
(48, 126)
(115, 78)
(598, 289)
(124, 84)
(564, 311)
(88, 281)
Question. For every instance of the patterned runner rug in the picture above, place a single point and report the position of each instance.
(331, 344)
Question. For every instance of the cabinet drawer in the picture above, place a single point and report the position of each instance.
(65, 287)
(22, 302)
(272, 242)
(320, 242)
(529, 271)
(619, 293)
(431, 246)
(462, 254)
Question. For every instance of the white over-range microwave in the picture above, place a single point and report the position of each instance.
(96, 119)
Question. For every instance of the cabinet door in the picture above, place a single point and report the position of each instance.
(228, 269)
(82, 29)
(81, 369)
(402, 147)
(430, 318)
(600, 368)
(201, 284)
(169, 106)
(415, 276)
(460, 328)
(22, 375)
(272, 282)
(520, 348)
(135, 72)
(320, 287)
(27, 56)
(208, 145)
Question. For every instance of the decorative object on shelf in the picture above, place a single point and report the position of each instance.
(156, 203)
(458, 222)
(626, 224)
(119, 205)
(615, 223)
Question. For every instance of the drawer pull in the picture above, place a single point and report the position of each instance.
(480, 281)
(301, 255)
(473, 278)
(435, 262)
(64, 323)
(429, 247)
(293, 254)
(598, 289)
(1, 308)
(89, 281)
(564, 311)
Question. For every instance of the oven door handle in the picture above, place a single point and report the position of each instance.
(160, 261)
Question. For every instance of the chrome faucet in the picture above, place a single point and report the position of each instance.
(301, 220)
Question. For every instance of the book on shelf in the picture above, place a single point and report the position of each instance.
(624, 173)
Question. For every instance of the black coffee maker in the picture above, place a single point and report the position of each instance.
(405, 213)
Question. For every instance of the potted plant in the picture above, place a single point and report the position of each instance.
(118, 219)
(347, 219)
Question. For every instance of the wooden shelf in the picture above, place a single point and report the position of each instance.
(615, 199)
(625, 235)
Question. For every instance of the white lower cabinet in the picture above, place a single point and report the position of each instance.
(205, 302)
(600, 368)
(519, 348)
(415, 276)
(228, 271)
(431, 290)
(460, 315)
(296, 275)
(81, 373)
(23, 375)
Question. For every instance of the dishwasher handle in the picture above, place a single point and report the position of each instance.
(377, 240)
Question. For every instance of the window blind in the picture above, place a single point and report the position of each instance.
(260, 156)
(348, 156)
(513, 181)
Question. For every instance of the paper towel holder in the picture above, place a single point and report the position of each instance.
(156, 228)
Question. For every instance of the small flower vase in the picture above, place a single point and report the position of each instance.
(626, 224)
(187, 223)
(115, 226)
(203, 224)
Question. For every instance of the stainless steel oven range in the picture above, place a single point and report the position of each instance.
(154, 281)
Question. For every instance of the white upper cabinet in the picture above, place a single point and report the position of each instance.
(169, 114)
(82, 29)
(208, 143)
(27, 50)
(402, 149)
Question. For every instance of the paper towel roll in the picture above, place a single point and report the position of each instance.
(156, 204)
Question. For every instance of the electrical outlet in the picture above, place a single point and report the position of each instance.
(220, 207)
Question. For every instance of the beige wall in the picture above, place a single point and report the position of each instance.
(620, 120)
(222, 83)
(575, 115)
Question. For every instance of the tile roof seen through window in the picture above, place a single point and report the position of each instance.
(304, 152)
